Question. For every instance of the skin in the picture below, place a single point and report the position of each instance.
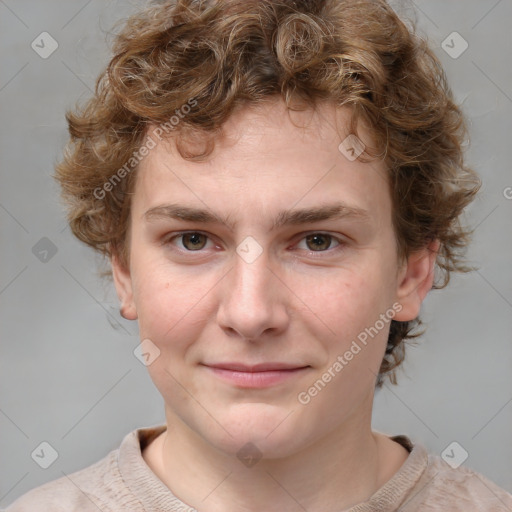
(297, 302)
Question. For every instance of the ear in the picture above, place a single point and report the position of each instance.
(415, 280)
(123, 284)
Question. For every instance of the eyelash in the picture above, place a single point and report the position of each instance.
(341, 243)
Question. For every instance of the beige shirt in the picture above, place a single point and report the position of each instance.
(122, 481)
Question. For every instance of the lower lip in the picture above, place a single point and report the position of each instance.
(256, 379)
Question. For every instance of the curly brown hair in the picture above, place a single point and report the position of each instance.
(219, 55)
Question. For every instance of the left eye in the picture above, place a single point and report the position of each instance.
(319, 242)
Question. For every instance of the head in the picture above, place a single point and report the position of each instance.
(272, 182)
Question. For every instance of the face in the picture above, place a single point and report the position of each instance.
(256, 275)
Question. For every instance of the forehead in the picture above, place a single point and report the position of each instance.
(267, 159)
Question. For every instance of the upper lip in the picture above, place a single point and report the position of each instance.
(260, 367)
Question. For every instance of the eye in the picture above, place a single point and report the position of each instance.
(195, 241)
(320, 242)
(191, 241)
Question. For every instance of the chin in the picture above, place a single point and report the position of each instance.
(259, 430)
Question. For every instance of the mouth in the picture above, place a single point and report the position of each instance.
(255, 376)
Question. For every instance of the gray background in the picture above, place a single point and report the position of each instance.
(68, 373)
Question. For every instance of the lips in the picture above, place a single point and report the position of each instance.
(260, 375)
(261, 367)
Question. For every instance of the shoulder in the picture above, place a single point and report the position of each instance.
(101, 486)
(428, 483)
(458, 489)
(82, 491)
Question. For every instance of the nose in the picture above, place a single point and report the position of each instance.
(253, 301)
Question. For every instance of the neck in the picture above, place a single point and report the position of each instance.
(336, 472)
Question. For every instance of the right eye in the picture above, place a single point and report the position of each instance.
(191, 241)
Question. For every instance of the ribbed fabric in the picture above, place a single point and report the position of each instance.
(122, 481)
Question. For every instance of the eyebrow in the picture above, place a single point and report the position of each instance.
(284, 218)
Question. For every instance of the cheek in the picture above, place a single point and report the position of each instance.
(348, 323)
(170, 305)
(172, 312)
(351, 307)
(343, 302)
